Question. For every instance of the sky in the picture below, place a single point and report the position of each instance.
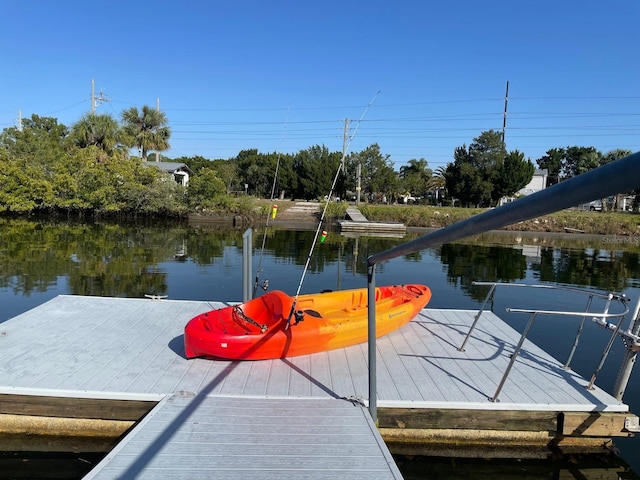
(419, 78)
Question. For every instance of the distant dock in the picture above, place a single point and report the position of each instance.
(113, 372)
(358, 224)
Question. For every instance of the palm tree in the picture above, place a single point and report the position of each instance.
(101, 130)
(145, 130)
(415, 176)
(438, 182)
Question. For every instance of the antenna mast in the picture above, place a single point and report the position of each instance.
(96, 101)
(158, 110)
(504, 120)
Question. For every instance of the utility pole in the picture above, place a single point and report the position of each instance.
(20, 120)
(504, 120)
(96, 101)
(158, 110)
(345, 137)
(345, 143)
(358, 187)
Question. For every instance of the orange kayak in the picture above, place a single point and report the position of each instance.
(261, 329)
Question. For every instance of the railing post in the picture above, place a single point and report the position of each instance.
(247, 253)
(477, 317)
(607, 349)
(630, 357)
(371, 316)
(514, 357)
(578, 333)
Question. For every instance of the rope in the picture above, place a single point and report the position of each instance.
(243, 316)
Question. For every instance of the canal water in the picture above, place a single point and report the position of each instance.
(41, 259)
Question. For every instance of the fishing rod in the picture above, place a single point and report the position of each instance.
(274, 209)
(299, 315)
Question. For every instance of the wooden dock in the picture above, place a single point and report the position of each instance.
(358, 224)
(101, 364)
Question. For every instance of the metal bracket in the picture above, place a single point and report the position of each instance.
(155, 297)
(632, 424)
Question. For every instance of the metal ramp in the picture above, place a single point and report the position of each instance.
(188, 437)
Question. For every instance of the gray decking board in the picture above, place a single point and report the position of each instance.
(237, 438)
(120, 345)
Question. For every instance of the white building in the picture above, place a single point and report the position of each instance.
(180, 172)
(538, 182)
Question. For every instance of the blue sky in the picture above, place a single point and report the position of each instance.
(284, 75)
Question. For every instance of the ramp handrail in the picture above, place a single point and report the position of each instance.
(599, 318)
(620, 176)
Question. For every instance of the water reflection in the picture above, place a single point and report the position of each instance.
(40, 259)
(127, 260)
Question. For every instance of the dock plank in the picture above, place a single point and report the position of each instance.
(251, 438)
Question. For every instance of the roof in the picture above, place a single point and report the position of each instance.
(171, 167)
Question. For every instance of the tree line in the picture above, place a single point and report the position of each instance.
(88, 168)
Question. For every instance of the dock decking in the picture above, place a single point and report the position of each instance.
(95, 347)
(136, 346)
(358, 224)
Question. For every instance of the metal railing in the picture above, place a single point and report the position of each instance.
(620, 176)
(609, 321)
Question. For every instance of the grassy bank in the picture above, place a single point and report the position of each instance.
(600, 223)
(597, 223)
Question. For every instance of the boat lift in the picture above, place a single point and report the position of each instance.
(620, 176)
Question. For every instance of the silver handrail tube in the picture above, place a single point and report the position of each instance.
(600, 318)
(632, 344)
(620, 176)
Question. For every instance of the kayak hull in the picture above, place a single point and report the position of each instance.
(260, 328)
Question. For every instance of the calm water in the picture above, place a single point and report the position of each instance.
(41, 259)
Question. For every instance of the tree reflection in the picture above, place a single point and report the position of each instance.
(100, 259)
(131, 260)
(468, 263)
(606, 270)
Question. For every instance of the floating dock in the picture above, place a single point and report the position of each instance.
(111, 373)
(358, 224)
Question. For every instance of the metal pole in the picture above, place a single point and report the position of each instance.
(514, 357)
(490, 294)
(629, 361)
(158, 110)
(246, 265)
(504, 120)
(371, 315)
(358, 186)
(578, 333)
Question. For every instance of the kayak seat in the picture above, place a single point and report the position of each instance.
(278, 304)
